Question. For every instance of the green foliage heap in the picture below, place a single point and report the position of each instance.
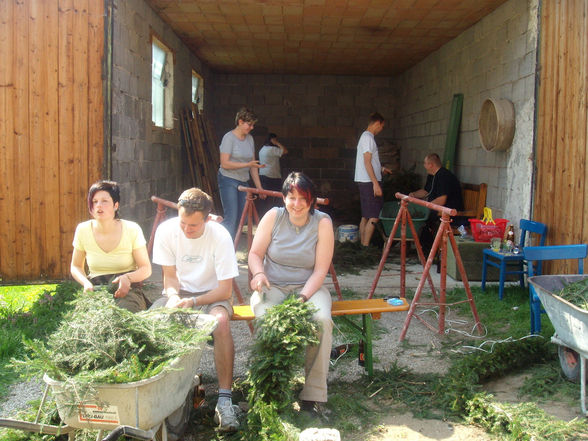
(278, 353)
(459, 393)
(403, 181)
(98, 342)
(350, 257)
(576, 293)
(520, 422)
(460, 385)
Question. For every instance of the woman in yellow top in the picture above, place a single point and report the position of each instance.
(113, 248)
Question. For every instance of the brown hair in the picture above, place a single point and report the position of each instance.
(193, 200)
(302, 184)
(245, 115)
(109, 187)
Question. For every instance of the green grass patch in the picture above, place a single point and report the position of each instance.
(20, 299)
(28, 312)
(501, 318)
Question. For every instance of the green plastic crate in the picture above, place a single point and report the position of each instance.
(389, 212)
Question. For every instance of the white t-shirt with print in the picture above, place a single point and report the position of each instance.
(200, 263)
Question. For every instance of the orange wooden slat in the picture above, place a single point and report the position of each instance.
(96, 16)
(375, 307)
(37, 109)
(50, 180)
(7, 195)
(68, 173)
(24, 164)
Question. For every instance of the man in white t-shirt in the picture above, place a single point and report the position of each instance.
(368, 175)
(199, 264)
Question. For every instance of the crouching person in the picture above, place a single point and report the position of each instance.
(199, 264)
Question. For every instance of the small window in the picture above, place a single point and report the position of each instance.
(161, 85)
(197, 90)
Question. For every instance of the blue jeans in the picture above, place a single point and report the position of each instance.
(233, 202)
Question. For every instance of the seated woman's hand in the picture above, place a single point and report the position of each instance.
(124, 285)
(88, 286)
(258, 281)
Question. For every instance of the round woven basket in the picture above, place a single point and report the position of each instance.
(496, 124)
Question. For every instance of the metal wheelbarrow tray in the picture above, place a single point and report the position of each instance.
(135, 409)
(570, 324)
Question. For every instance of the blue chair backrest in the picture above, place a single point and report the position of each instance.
(556, 252)
(532, 227)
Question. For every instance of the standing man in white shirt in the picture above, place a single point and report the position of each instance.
(368, 175)
(199, 264)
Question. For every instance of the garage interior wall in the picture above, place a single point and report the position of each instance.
(319, 118)
(495, 58)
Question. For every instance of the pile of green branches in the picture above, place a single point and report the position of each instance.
(459, 393)
(576, 293)
(98, 342)
(351, 257)
(281, 337)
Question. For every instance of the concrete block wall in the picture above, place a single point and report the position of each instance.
(146, 160)
(318, 118)
(495, 58)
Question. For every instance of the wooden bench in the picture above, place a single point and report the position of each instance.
(369, 309)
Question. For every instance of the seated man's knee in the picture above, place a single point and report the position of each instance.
(222, 318)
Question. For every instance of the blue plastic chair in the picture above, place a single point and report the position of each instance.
(552, 252)
(509, 263)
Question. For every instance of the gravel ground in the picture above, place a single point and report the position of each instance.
(421, 353)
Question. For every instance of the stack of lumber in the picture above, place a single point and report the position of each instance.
(202, 152)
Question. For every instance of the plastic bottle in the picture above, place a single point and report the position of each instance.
(360, 354)
(510, 238)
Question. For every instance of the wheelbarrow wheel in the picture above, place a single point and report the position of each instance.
(178, 421)
(570, 363)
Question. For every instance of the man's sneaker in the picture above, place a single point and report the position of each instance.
(226, 417)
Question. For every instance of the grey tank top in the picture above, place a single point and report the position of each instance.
(290, 257)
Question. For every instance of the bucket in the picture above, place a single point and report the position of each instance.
(348, 233)
(496, 124)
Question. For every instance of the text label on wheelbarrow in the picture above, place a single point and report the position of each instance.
(91, 413)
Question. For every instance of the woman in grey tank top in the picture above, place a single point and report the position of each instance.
(291, 253)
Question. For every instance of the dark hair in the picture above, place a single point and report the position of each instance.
(110, 187)
(193, 200)
(302, 184)
(376, 117)
(268, 140)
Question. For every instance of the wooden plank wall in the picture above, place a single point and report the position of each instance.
(561, 184)
(51, 130)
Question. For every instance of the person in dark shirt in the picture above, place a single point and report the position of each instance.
(442, 188)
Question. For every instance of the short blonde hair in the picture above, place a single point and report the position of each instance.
(193, 200)
(246, 115)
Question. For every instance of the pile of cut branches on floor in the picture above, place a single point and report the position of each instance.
(350, 257)
(98, 342)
